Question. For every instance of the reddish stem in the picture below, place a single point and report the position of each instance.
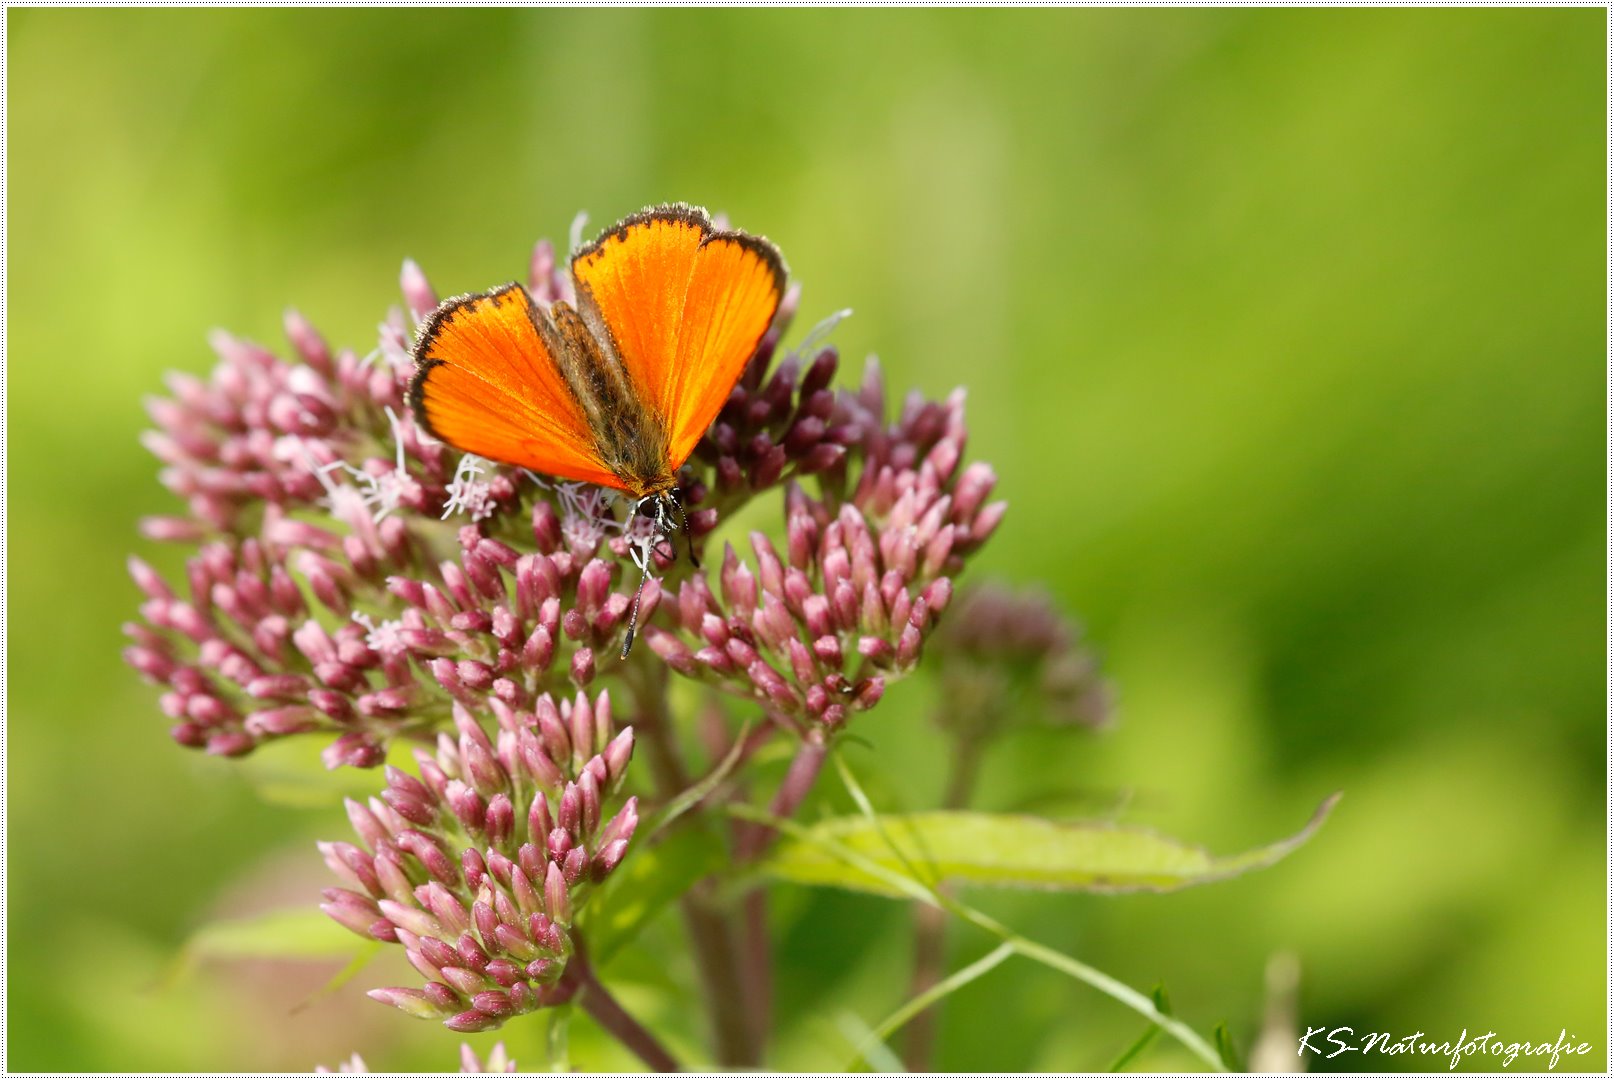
(930, 923)
(757, 965)
(799, 780)
(598, 1003)
(710, 936)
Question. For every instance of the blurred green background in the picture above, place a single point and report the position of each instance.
(1285, 333)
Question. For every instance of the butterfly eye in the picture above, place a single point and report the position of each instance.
(649, 508)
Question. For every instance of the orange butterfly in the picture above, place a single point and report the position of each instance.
(619, 389)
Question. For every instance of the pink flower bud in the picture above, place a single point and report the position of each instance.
(617, 756)
(470, 1021)
(580, 725)
(504, 972)
(356, 750)
(557, 900)
(582, 667)
(987, 521)
(526, 897)
(500, 819)
(621, 827)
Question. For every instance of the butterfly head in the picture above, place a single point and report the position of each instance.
(657, 508)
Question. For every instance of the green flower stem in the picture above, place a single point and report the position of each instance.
(920, 1004)
(710, 935)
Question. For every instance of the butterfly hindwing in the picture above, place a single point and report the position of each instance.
(486, 382)
(684, 307)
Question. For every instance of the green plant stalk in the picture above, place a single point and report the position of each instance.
(1025, 946)
(920, 1004)
(1138, 1046)
(557, 1040)
(1130, 1053)
(916, 890)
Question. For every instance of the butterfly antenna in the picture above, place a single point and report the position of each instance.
(633, 618)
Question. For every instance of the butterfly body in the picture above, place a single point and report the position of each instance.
(628, 435)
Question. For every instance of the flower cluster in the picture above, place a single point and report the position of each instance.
(532, 593)
(353, 579)
(478, 865)
(814, 635)
(331, 597)
(781, 425)
(1013, 653)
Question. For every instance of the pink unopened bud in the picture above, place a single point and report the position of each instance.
(580, 725)
(357, 750)
(557, 901)
(471, 1020)
(500, 819)
(575, 868)
(417, 291)
(588, 789)
(504, 972)
(617, 755)
(527, 899)
(539, 823)
(593, 584)
(582, 667)
(414, 1002)
(739, 584)
(987, 521)
(545, 526)
(352, 910)
(474, 868)
(621, 827)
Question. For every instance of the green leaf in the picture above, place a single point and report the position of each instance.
(289, 773)
(366, 952)
(647, 881)
(1224, 1047)
(1014, 851)
(301, 933)
(1042, 954)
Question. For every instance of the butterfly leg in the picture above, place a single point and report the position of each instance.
(672, 496)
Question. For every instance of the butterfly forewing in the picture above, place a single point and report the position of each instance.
(733, 295)
(684, 307)
(486, 382)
